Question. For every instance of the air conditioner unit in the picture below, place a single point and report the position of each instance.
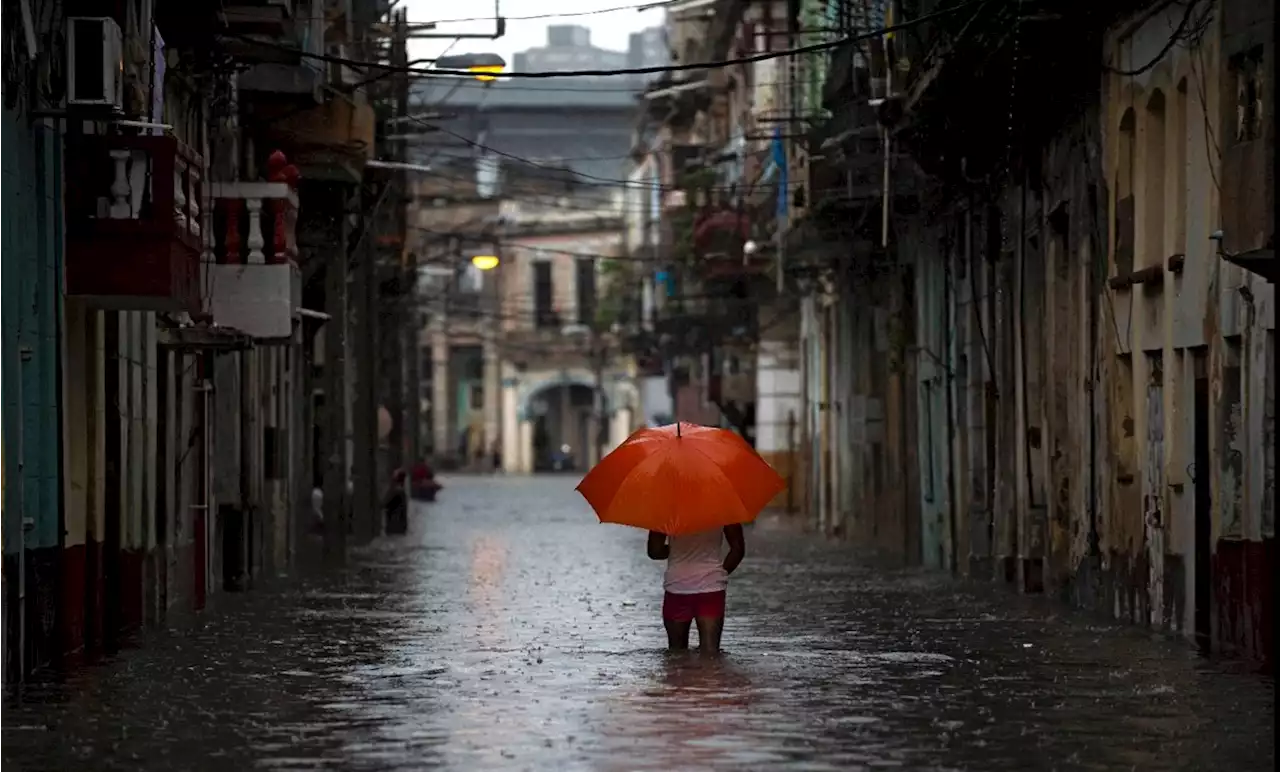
(95, 62)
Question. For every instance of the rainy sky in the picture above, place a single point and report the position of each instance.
(608, 30)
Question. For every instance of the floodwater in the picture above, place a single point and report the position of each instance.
(509, 631)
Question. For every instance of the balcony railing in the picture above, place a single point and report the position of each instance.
(134, 222)
(256, 222)
(253, 280)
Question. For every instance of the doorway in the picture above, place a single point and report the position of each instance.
(1200, 477)
(112, 485)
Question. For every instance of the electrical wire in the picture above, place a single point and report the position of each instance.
(567, 15)
(655, 70)
(611, 181)
(1173, 40)
(640, 7)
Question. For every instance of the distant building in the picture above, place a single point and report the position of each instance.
(568, 48)
(510, 362)
(648, 48)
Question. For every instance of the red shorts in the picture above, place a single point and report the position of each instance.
(685, 608)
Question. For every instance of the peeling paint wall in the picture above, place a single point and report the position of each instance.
(1170, 139)
(1080, 343)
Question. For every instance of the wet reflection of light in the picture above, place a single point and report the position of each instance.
(484, 586)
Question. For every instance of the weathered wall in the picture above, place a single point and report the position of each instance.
(32, 234)
(1187, 545)
(860, 434)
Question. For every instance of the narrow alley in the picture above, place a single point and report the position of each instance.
(508, 630)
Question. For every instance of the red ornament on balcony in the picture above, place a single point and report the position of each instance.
(721, 226)
(280, 170)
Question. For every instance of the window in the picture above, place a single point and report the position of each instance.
(1250, 86)
(544, 314)
(1180, 105)
(1124, 195)
(1153, 182)
(586, 281)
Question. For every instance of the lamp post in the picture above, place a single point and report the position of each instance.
(485, 67)
(485, 262)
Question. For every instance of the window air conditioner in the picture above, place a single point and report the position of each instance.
(95, 62)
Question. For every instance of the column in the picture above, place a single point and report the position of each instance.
(619, 427)
(568, 425)
(491, 384)
(526, 447)
(590, 454)
(443, 439)
(510, 419)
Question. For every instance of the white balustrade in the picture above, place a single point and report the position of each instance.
(120, 209)
(255, 242)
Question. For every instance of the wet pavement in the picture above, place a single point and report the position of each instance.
(509, 631)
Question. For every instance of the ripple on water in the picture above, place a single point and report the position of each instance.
(508, 631)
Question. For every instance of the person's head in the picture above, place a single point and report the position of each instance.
(398, 476)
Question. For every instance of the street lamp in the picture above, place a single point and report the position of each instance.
(485, 67)
(485, 262)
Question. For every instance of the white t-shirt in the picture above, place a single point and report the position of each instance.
(695, 563)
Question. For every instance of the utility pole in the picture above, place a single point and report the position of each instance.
(598, 353)
(335, 404)
(365, 423)
(405, 401)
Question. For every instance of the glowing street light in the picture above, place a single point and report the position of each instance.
(485, 67)
(485, 262)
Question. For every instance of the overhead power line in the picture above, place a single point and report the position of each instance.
(651, 6)
(610, 181)
(761, 57)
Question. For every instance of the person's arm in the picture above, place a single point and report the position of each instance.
(658, 548)
(737, 547)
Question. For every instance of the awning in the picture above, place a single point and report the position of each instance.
(1256, 261)
(204, 337)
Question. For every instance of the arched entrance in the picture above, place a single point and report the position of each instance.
(565, 427)
(548, 409)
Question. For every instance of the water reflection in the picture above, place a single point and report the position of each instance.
(509, 631)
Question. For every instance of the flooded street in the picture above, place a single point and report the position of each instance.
(509, 631)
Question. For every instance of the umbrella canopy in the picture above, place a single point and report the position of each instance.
(681, 479)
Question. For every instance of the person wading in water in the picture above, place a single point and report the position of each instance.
(695, 583)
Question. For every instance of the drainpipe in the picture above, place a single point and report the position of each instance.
(948, 372)
(24, 525)
(1094, 289)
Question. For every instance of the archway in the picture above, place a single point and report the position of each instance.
(558, 407)
(565, 427)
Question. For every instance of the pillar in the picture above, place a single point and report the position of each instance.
(510, 419)
(619, 427)
(568, 425)
(526, 447)
(443, 440)
(491, 384)
(590, 454)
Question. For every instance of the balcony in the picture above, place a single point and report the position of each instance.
(253, 280)
(134, 223)
(266, 30)
(330, 141)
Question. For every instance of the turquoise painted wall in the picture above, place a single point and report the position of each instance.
(932, 422)
(31, 256)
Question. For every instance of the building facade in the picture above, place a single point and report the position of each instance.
(510, 166)
(1049, 361)
(159, 422)
(1044, 359)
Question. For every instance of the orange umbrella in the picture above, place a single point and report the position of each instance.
(681, 479)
